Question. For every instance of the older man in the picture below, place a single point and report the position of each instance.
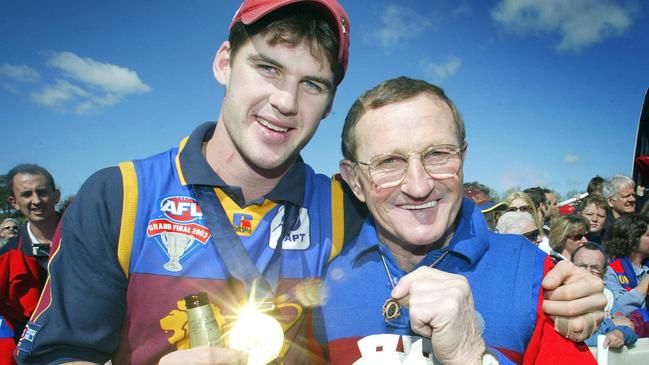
(426, 255)
(619, 191)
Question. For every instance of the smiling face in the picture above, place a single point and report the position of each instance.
(596, 217)
(421, 210)
(34, 197)
(8, 229)
(275, 97)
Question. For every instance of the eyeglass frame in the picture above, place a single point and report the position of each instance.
(459, 151)
(13, 228)
(524, 208)
(535, 233)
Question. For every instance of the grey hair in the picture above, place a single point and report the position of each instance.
(614, 184)
(10, 220)
(513, 222)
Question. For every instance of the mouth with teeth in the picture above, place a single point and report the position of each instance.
(419, 206)
(271, 126)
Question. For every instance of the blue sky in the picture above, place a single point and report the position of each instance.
(550, 90)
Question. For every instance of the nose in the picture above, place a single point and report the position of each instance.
(417, 183)
(284, 98)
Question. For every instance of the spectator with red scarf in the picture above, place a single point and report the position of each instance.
(627, 277)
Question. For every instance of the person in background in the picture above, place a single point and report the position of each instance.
(595, 185)
(520, 223)
(628, 275)
(537, 196)
(552, 204)
(520, 201)
(8, 229)
(619, 191)
(592, 258)
(34, 194)
(594, 208)
(480, 196)
(567, 233)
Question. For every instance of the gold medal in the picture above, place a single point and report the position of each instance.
(257, 334)
(391, 310)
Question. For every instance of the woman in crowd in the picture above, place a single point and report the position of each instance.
(593, 208)
(567, 233)
(521, 202)
(628, 246)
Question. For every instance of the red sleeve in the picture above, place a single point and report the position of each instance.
(548, 346)
(7, 347)
(20, 282)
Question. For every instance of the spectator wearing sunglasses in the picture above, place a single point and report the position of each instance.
(519, 223)
(627, 277)
(520, 201)
(567, 233)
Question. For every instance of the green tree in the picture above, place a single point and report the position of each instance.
(5, 207)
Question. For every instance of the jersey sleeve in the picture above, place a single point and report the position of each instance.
(625, 301)
(83, 304)
(548, 346)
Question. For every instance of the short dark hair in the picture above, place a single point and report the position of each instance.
(625, 234)
(537, 195)
(595, 185)
(390, 92)
(30, 169)
(291, 25)
(593, 246)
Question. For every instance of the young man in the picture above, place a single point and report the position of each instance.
(426, 258)
(139, 238)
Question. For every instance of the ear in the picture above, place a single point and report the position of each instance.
(221, 65)
(12, 200)
(351, 177)
(610, 202)
(57, 196)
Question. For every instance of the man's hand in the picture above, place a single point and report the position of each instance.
(441, 308)
(577, 295)
(205, 356)
(614, 339)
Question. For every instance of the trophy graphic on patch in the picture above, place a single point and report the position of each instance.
(176, 244)
(178, 230)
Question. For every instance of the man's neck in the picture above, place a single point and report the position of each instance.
(43, 231)
(408, 257)
(616, 215)
(226, 161)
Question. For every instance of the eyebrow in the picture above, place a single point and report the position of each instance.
(263, 58)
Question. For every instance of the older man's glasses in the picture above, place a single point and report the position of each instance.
(533, 236)
(10, 228)
(440, 162)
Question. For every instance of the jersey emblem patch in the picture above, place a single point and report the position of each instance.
(178, 229)
(298, 238)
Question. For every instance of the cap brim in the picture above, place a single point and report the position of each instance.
(491, 207)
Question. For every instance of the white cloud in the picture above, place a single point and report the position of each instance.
(82, 85)
(20, 73)
(58, 94)
(579, 23)
(441, 71)
(398, 24)
(109, 77)
(571, 159)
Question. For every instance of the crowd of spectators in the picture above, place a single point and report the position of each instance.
(605, 231)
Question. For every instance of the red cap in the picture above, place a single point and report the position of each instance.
(252, 10)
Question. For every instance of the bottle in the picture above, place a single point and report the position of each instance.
(203, 329)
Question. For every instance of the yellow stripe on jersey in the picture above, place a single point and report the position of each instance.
(181, 176)
(337, 218)
(129, 213)
(248, 217)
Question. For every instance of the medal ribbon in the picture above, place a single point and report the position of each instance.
(229, 247)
